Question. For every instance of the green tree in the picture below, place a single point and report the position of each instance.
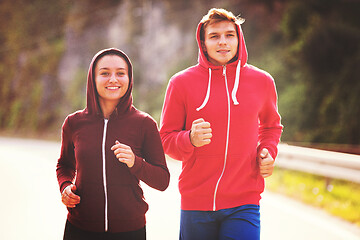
(31, 35)
(323, 43)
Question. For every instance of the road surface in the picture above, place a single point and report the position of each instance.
(31, 208)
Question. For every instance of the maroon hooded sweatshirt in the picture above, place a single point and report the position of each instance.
(111, 197)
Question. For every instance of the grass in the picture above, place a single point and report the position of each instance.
(340, 198)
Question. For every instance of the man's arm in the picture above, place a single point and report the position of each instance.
(270, 128)
(175, 138)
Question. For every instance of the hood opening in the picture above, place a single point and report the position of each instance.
(241, 53)
(92, 96)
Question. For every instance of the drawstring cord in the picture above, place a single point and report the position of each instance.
(236, 85)
(207, 93)
(233, 93)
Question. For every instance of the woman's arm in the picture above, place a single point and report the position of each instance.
(66, 166)
(152, 168)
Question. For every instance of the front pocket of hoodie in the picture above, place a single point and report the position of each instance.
(204, 172)
(92, 203)
(242, 174)
(126, 202)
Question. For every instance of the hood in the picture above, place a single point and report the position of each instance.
(240, 61)
(92, 96)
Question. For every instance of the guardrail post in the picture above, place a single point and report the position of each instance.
(327, 183)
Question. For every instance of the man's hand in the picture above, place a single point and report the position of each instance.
(200, 133)
(266, 163)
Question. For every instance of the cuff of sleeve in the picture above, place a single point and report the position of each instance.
(186, 144)
(137, 165)
(272, 150)
(64, 185)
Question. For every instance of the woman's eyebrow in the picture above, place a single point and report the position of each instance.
(106, 68)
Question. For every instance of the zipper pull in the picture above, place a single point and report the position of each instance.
(224, 70)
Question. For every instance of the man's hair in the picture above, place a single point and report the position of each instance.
(216, 15)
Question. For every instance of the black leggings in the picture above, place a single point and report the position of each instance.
(73, 233)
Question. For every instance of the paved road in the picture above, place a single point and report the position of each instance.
(30, 205)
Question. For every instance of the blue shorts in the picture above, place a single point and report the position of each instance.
(234, 223)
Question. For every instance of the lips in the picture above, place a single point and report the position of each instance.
(112, 87)
(223, 51)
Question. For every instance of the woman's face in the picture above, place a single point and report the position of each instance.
(111, 78)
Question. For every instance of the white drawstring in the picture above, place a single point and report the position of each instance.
(236, 85)
(233, 93)
(207, 93)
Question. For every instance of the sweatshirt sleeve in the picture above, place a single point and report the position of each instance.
(66, 166)
(269, 118)
(175, 138)
(152, 168)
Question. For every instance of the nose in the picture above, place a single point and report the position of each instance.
(112, 78)
(222, 39)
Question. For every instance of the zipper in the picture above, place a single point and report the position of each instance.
(227, 138)
(104, 175)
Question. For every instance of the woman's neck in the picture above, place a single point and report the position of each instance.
(107, 108)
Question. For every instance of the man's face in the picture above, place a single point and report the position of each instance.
(221, 42)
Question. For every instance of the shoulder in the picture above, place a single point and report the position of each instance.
(77, 114)
(260, 79)
(186, 75)
(186, 81)
(257, 73)
(77, 119)
(144, 118)
(73, 117)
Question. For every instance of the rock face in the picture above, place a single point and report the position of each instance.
(158, 37)
(48, 48)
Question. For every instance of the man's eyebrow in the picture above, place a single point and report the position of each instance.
(214, 33)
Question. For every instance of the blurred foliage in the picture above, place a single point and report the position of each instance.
(321, 52)
(340, 198)
(311, 48)
(30, 48)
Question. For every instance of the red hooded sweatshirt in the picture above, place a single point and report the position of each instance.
(240, 102)
(111, 198)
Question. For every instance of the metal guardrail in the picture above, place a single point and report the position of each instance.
(332, 165)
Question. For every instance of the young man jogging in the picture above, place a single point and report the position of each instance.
(220, 119)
